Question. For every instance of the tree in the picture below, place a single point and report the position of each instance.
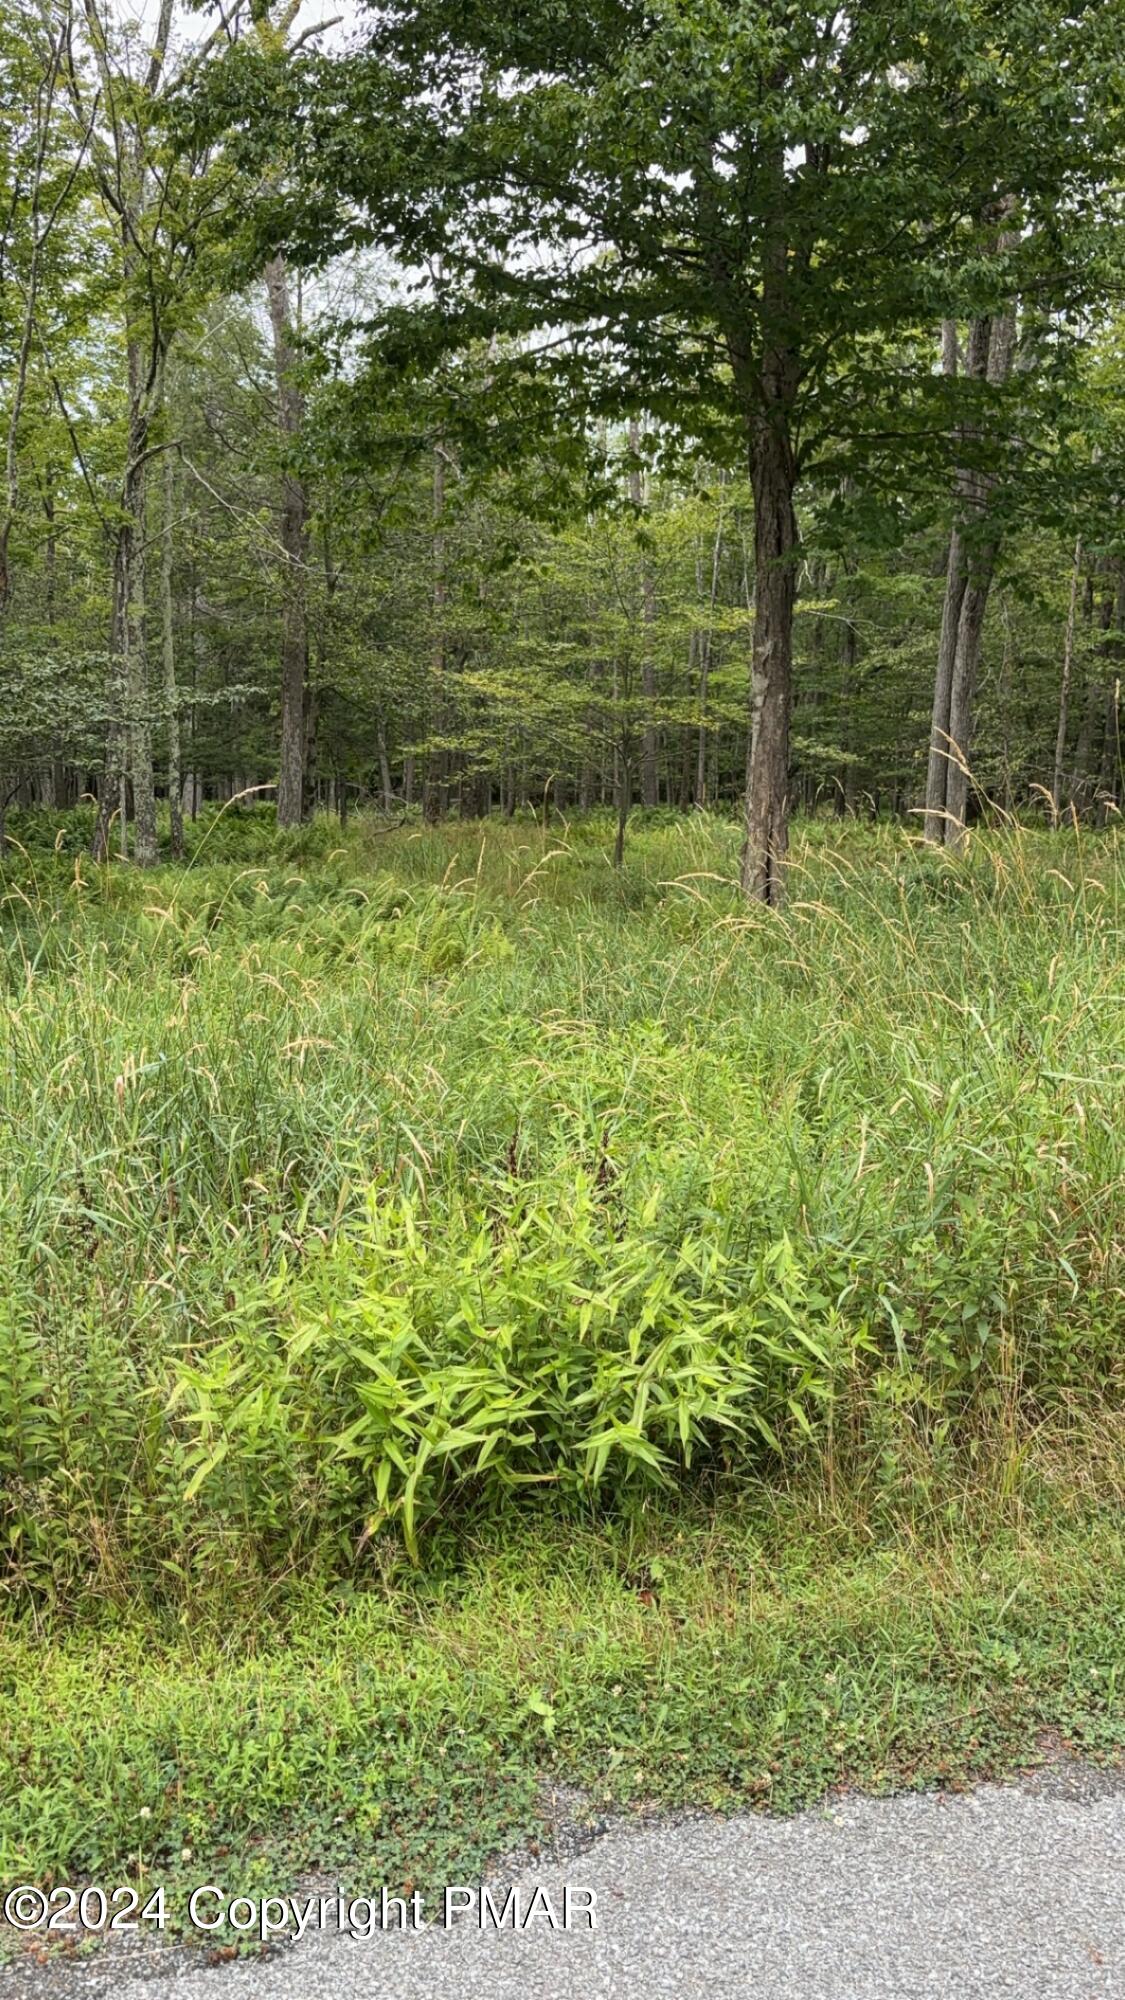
(727, 208)
(41, 163)
(144, 210)
(519, 571)
(968, 580)
(295, 550)
(123, 179)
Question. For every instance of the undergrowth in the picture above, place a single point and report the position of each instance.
(474, 1325)
(353, 1184)
(399, 1736)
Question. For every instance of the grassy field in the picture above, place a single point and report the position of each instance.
(468, 1318)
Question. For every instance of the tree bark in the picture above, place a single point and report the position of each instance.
(650, 793)
(40, 232)
(970, 630)
(294, 542)
(624, 800)
(1057, 779)
(50, 547)
(956, 581)
(168, 638)
(131, 637)
(769, 387)
(384, 765)
(124, 189)
(435, 787)
(773, 478)
(107, 794)
(972, 562)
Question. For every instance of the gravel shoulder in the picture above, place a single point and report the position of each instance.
(1005, 1890)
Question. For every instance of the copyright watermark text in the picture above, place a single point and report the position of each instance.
(213, 1910)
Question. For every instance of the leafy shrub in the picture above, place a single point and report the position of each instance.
(547, 1345)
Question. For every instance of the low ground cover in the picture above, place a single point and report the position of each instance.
(576, 1318)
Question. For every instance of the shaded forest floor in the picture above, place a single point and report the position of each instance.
(471, 1322)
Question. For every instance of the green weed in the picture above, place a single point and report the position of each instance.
(356, 1184)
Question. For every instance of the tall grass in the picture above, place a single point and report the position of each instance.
(351, 1185)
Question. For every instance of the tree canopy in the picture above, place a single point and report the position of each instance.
(688, 403)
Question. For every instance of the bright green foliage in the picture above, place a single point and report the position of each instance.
(738, 226)
(729, 1657)
(355, 1187)
(731, 209)
(555, 1341)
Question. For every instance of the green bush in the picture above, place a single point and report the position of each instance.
(548, 1345)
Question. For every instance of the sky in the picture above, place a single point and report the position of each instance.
(192, 24)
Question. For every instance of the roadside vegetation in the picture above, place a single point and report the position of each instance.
(471, 1318)
(562, 904)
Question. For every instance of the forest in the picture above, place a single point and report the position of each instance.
(369, 487)
(562, 903)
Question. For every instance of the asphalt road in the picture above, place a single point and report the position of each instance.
(1015, 1890)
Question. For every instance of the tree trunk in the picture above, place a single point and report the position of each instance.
(312, 782)
(624, 800)
(1064, 685)
(107, 795)
(969, 572)
(113, 789)
(131, 638)
(435, 789)
(956, 582)
(649, 781)
(384, 765)
(122, 176)
(294, 542)
(773, 477)
(769, 392)
(970, 631)
(1111, 755)
(1079, 770)
(168, 636)
(705, 643)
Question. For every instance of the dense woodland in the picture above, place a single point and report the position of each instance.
(465, 411)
